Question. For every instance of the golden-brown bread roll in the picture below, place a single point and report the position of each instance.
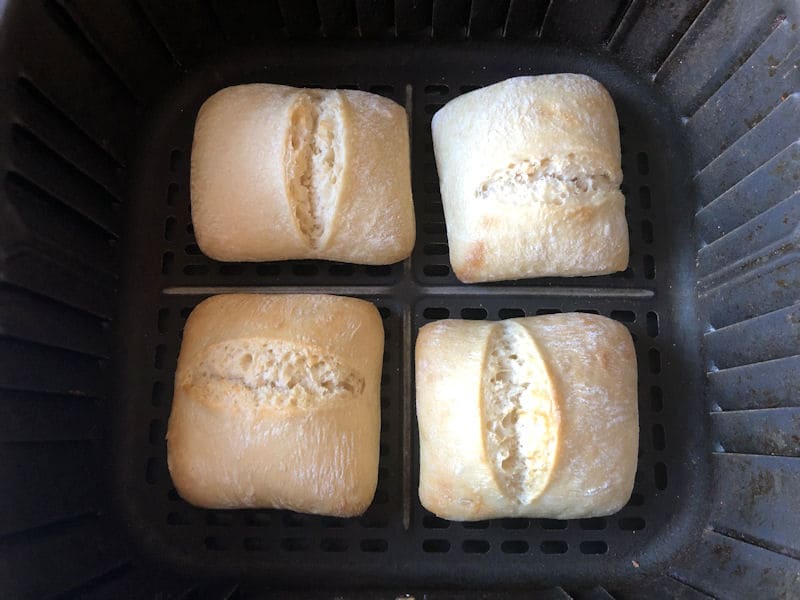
(529, 171)
(529, 417)
(277, 404)
(288, 173)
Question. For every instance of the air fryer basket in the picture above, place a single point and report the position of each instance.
(99, 269)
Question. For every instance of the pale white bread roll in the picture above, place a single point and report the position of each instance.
(529, 172)
(529, 417)
(277, 404)
(288, 173)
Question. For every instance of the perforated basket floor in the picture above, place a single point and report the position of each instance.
(99, 268)
(397, 542)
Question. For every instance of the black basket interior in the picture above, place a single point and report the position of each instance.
(99, 269)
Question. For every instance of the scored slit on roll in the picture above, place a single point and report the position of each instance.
(314, 157)
(548, 180)
(277, 373)
(521, 419)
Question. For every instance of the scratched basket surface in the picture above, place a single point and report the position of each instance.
(99, 269)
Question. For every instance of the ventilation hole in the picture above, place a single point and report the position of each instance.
(156, 431)
(151, 471)
(192, 249)
(593, 547)
(436, 312)
(475, 546)
(654, 357)
(649, 266)
(631, 523)
(436, 270)
(473, 314)
(257, 518)
(254, 544)
(515, 523)
(167, 261)
(376, 545)
(195, 269)
(305, 269)
(172, 195)
(436, 546)
(170, 225)
(647, 231)
(382, 88)
(434, 522)
(434, 207)
(659, 441)
(588, 311)
(219, 519)
(432, 108)
(644, 197)
(652, 324)
(468, 88)
(642, 163)
(437, 90)
(161, 351)
(333, 522)
(510, 313)
(176, 518)
(636, 499)
(268, 269)
(231, 269)
(437, 249)
(341, 270)
(626, 316)
(437, 228)
(476, 524)
(213, 543)
(553, 524)
(333, 545)
(553, 547)
(373, 521)
(593, 524)
(378, 270)
(175, 158)
(548, 311)
(660, 472)
(514, 547)
(163, 315)
(656, 399)
(293, 520)
(295, 544)
(157, 394)
(185, 312)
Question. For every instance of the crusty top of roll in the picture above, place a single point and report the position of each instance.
(530, 170)
(529, 417)
(285, 173)
(576, 142)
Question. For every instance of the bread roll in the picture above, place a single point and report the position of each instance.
(529, 170)
(277, 404)
(530, 417)
(288, 173)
